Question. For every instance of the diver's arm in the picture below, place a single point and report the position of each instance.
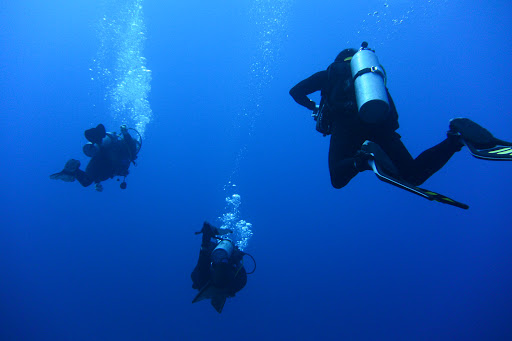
(201, 274)
(309, 85)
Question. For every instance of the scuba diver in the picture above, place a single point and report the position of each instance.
(356, 107)
(111, 155)
(220, 272)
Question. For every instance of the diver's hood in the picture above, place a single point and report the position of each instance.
(345, 54)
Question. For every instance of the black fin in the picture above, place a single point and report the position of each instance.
(472, 132)
(218, 303)
(68, 173)
(381, 158)
(500, 152)
(96, 135)
(433, 196)
(64, 176)
(217, 296)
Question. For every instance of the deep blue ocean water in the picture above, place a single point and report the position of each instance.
(209, 88)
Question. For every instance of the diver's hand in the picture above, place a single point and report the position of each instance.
(314, 114)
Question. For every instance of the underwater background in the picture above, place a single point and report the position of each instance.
(206, 83)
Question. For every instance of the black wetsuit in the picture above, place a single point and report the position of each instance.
(202, 274)
(349, 133)
(111, 160)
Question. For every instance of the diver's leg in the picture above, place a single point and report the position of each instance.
(201, 273)
(417, 171)
(83, 178)
(344, 160)
(100, 167)
(433, 159)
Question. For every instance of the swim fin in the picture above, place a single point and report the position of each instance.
(69, 171)
(472, 132)
(211, 231)
(217, 296)
(432, 196)
(64, 176)
(502, 151)
(480, 142)
(380, 157)
(96, 135)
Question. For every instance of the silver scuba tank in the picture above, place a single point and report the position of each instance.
(222, 251)
(370, 85)
(90, 149)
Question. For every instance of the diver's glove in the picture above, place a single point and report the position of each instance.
(314, 114)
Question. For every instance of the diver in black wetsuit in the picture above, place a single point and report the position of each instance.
(111, 155)
(219, 272)
(349, 155)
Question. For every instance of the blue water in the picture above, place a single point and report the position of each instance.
(207, 84)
